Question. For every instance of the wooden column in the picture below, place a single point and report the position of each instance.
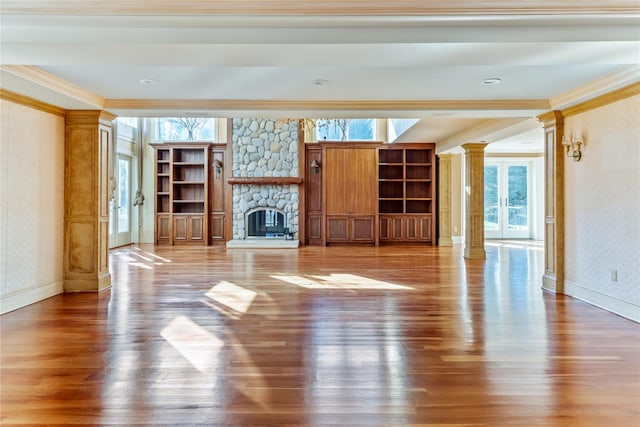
(553, 278)
(474, 197)
(444, 200)
(86, 201)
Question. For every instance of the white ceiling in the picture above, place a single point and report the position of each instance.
(379, 64)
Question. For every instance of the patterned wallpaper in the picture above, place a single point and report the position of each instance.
(31, 199)
(602, 201)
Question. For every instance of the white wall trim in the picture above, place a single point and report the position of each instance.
(24, 297)
(606, 302)
(457, 240)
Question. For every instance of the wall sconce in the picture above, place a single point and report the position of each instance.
(217, 165)
(573, 147)
(315, 166)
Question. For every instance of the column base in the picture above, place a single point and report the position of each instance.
(445, 241)
(88, 285)
(551, 283)
(475, 253)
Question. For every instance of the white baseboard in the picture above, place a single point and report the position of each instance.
(606, 302)
(457, 240)
(22, 298)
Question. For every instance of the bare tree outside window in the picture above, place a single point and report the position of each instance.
(186, 129)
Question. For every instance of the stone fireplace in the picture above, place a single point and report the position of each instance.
(265, 179)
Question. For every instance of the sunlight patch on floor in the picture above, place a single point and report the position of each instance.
(193, 342)
(232, 296)
(338, 281)
(152, 255)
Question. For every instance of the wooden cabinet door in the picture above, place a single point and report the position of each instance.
(195, 230)
(418, 228)
(425, 229)
(391, 228)
(163, 228)
(180, 228)
(397, 228)
(384, 223)
(412, 227)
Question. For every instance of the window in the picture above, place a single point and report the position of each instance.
(129, 121)
(186, 129)
(345, 129)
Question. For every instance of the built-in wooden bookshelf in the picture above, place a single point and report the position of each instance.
(406, 192)
(181, 193)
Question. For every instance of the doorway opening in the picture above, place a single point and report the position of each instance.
(508, 199)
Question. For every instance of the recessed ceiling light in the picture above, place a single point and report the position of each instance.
(320, 82)
(148, 82)
(492, 81)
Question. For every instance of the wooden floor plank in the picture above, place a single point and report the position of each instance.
(320, 336)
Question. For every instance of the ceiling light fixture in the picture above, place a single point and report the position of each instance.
(492, 81)
(148, 82)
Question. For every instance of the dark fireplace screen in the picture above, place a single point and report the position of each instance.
(266, 223)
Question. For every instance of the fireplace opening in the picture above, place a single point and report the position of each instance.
(266, 223)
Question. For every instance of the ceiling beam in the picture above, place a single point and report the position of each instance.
(312, 7)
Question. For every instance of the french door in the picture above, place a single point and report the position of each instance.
(507, 199)
(120, 209)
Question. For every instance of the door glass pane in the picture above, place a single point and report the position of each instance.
(491, 197)
(123, 195)
(518, 199)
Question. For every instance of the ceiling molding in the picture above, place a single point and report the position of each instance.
(312, 7)
(49, 81)
(294, 105)
(603, 100)
(598, 87)
(31, 102)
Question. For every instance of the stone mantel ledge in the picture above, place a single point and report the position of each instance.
(265, 180)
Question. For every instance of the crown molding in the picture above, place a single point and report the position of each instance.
(295, 105)
(312, 7)
(601, 86)
(31, 103)
(56, 84)
(602, 100)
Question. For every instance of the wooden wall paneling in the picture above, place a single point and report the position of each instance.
(337, 230)
(313, 195)
(217, 193)
(350, 192)
(302, 190)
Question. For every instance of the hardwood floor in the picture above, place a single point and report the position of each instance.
(337, 336)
